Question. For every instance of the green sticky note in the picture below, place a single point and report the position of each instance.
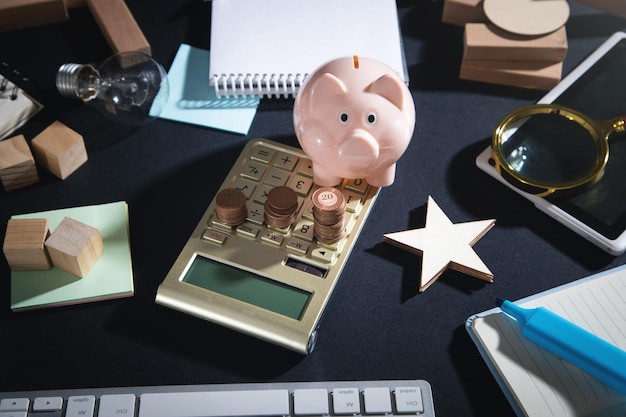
(110, 277)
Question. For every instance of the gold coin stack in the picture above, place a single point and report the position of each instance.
(281, 207)
(231, 207)
(329, 206)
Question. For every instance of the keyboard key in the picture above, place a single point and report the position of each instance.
(263, 154)
(14, 404)
(80, 406)
(310, 402)
(409, 400)
(48, 404)
(117, 405)
(377, 400)
(346, 401)
(215, 404)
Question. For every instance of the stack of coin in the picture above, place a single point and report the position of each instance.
(231, 206)
(329, 206)
(281, 207)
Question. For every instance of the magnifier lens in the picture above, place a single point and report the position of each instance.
(549, 148)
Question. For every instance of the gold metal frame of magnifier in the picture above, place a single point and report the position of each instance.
(599, 131)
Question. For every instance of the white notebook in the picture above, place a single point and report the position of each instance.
(268, 47)
(16, 106)
(538, 383)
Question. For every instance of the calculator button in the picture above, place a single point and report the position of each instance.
(276, 177)
(310, 402)
(323, 255)
(377, 400)
(253, 171)
(214, 236)
(256, 213)
(304, 230)
(301, 185)
(357, 185)
(273, 237)
(48, 404)
(409, 400)
(285, 161)
(305, 167)
(354, 202)
(297, 246)
(307, 211)
(120, 405)
(245, 186)
(260, 195)
(262, 154)
(80, 406)
(248, 230)
(346, 401)
(14, 404)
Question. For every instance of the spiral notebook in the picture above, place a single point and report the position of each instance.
(268, 47)
(538, 383)
(16, 105)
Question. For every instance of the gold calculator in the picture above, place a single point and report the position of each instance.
(266, 282)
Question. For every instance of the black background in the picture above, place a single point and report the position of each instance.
(377, 325)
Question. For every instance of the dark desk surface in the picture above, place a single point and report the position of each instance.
(377, 326)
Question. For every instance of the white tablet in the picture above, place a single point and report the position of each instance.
(597, 87)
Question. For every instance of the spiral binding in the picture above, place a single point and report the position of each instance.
(13, 79)
(262, 85)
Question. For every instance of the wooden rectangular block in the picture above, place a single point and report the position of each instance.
(538, 75)
(19, 14)
(74, 246)
(119, 26)
(59, 149)
(460, 12)
(486, 41)
(24, 244)
(17, 165)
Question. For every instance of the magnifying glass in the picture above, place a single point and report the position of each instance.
(548, 148)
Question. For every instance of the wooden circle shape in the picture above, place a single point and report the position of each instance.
(527, 17)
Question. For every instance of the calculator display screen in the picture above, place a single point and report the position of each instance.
(247, 287)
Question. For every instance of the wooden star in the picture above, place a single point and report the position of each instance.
(443, 245)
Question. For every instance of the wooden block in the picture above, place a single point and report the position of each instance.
(460, 12)
(19, 14)
(17, 165)
(119, 26)
(59, 149)
(24, 244)
(538, 75)
(487, 41)
(614, 7)
(74, 246)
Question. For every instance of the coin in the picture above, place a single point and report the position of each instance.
(329, 206)
(281, 207)
(231, 206)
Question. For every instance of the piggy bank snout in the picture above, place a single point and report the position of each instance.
(360, 149)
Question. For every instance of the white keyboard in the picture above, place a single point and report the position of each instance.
(336, 398)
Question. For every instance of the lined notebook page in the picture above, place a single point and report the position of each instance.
(286, 38)
(535, 380)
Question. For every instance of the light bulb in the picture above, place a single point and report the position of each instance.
(130, 88)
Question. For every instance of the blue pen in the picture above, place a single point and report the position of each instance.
(598, 358)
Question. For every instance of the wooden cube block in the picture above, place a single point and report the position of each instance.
(486, 41)
(24, 244)
(119, 26)
(538, 75)
(18, 14)
(460, 12)
(17, 165)
(74, 246)
(59, 149)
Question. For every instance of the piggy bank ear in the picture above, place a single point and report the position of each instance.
(326, 86)
(388, 87)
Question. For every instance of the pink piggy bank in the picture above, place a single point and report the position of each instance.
(354, 117)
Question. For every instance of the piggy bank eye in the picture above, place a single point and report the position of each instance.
(371, 118)
(344, 118)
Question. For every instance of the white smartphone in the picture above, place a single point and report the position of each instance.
(597, 87)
